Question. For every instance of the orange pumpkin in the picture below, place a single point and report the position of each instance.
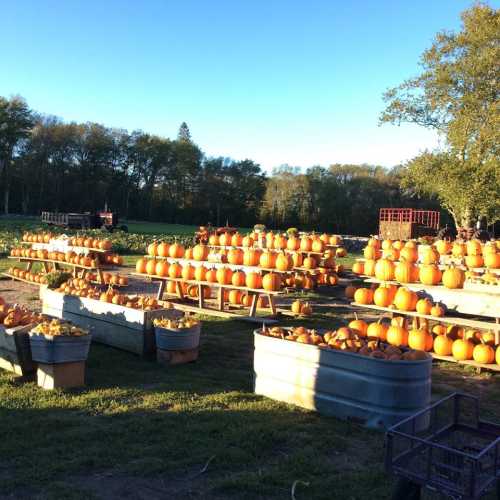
(430, 256)
(235, 256)
(187, 272)
(153, 249)
(358, 267)
(251, 257)
(377, 330)
(443, 345)
(492, 260)
(453, 277)
(271, 282)
(267, 260)
(382, 296)
(371, 253)
(213, 240)
(409, 254)
(306, 244)
(474, 247)
(430, 274)
(309, 263)
(224, 276)
(253, 280)
(484, 354)
(175, 270)
(161, 268)
(437, 310)
(384, 270)
(405, 299)
(458, 249)
(163, 249)
(225, 240)
(211, 275)
(462, 349)
(405, 272)
(200, 252)
(359, 326)
(443, 247)
(474, 261)
(424, 306)
(363, 296)
(397, 335)
(293, 243)
(318, 246)
(176, 251)
(284, 262)
(238, 278)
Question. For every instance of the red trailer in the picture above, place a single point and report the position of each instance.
(407, 223)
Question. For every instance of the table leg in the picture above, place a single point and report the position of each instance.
(253, 305)
(178, 286)
(100, 276)
(161, 290)
(46, 267)
(29, 266)
(221, 299)
(272, 304)
(201, 296)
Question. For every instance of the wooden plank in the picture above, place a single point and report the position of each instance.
(225, 314)
(460, 300)
(16, 278)
(57, 262)
(469, 362)
(451, 320)
(207, 283)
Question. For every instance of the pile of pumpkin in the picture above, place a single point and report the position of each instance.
(12, 315)
(472, 254)
(346, 339)
(82, 288)
(77, 241)
(307, 243)
(69, 257)
(392, 296)
(15, 272)
(56, 327)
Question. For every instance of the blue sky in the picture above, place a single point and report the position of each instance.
(277, 81)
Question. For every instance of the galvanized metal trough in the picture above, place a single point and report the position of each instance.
(375, 392)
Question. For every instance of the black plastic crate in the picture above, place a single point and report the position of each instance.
(446, 448)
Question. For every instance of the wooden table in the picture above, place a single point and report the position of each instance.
(255, 293)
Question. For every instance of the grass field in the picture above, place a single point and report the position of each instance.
(139, 430)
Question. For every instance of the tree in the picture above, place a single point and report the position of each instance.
(184, 134)
(457, 94)
(16, 121)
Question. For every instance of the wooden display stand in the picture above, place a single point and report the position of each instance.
(15, 351)
(61, 375)
(170, 358)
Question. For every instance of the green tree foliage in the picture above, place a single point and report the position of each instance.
(16, 121)
(184, 134)
(457, 94)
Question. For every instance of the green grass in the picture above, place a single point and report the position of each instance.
(153, 429)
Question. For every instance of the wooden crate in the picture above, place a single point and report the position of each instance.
(61, 375)
(110, 324)
(15, 351)
(176, 357)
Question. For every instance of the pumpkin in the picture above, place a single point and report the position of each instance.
(238, 278)
(187, 272)
(235, 296)
(369, 267)
(424, 306)
(474, 247)
(293, 243)
(318, 246)
(391, 254)
(251, 257)
(213, 240)
(161, 268)
(253, 280)
(279, 242)
(235, 256)
(358, 267)
(225, 240)
(363, 296)
(484, 354)
(405, 299)
(430, 274)
(386, 244)
(377, 330)
(443, 345)
(224, 276)
(359, 326)
(458, 249)
(350, 291)
(140, 266)
(305, 244)
(262, 302)
(384, 270)
(284, 262)
(453, 277)
(335, 240)
(176, 251)
(374, 242)
(409, 253)
(271, 282)
(200, 273)
(309, 263)
(430, 256)
(200, 252)
(397, 335)
(439, 329)
(172, 287)
(404, 272)
(105, 245)
(296, 306)
(419, 338)
(462, 349)
(247, 242)
(371, 253)
(175, 270)
(437, 310)
(309, 283)
(236, 240)
(211, 275)
(151, 266)
(267, 260)
(163, 249)
(443, 247)
(153, 249)
(325, 238)
(492, 260)
(297, 260)
(474, 261)
(382, 296)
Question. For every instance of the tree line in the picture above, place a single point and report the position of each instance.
(47, 164)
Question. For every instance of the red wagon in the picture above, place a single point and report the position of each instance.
(407, 223)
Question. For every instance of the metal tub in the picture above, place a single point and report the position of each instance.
(171, 339)
(59, 349)
(377, 393)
